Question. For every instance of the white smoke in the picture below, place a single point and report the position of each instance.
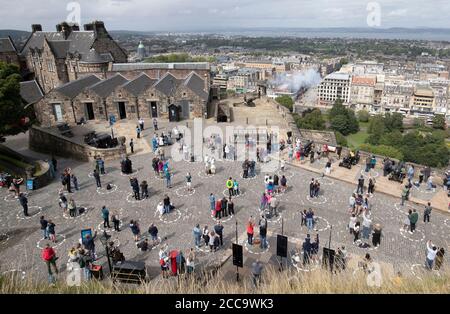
(295, 80)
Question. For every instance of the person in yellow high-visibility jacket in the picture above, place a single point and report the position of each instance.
(229, 185)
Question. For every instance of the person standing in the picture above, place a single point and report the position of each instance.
(360, 188)
(168, 176)
(257, 269)
(309, 219)
(250, 231)
(311, 188)
(197, 235)
(101, 164)
(367, 222)
(307, 248)
(97, 178)
(116, 222)
(218, 229)
(89, 244)
(144, 190)
(263, 232)
(43, 222)
(439, 260)
(72, 207)
(273, 206)
(230, 207)
(51, 231)
(138, 131)
(224, 207)
(212, 203)
(105, 216)
(235, 188)
(413, 218)
(153, 232)
(189, 182)
(155, 124)
(371, 186)
(49, 257)
(24, 203)
(229, 185)
(74, 181)
(135, 230)
(205, 235)
(166, 203)
(141, 124)
(132, 146)
(54, 164)
(431, 255)
(405, 192)
(376, 235)
(427, 213)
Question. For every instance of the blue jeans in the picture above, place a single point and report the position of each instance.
(212, 205)
(168, 182)
(166, 209)
(197, 240)
(263, 243)
(309, 223)
(365, 232)
(45, 233)
(87, 273)
(429, 264)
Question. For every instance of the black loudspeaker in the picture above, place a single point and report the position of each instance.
(129, 272)
(238, 259)
(328, 258)
(282, 245)
(289, 134)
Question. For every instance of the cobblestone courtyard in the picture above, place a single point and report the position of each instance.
(22, 238)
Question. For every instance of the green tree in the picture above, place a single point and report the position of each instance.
(382, 150)
(11, 104)
(312, 120)
(363, 116)
(439, 122)
(343, 119)
(341, 139)
(393, 121)
(341, 124)
(285, 101)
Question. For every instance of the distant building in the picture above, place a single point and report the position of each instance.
(55, 58)
(422, 101)
(362, 92)
(8, 51)
(141, 53)
(333, 86)
(396, 96)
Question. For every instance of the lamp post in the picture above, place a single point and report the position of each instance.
(104, 239)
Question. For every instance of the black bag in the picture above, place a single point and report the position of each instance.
(109, 187)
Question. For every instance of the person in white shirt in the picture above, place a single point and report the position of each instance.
(431, 255)
(160, 208)
(227, 151)
(352, 223)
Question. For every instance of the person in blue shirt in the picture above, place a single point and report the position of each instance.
(212, 202)
(105, 216)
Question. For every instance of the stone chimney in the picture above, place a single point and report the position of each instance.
(64, 28)
(97, 26)
(36, 28)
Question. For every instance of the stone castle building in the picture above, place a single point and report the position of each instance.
(93, 98)
(8, 51)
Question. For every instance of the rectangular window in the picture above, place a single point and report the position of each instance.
(57, 112)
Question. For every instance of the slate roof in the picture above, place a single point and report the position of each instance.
(197, 85)
(148, 66)
(72, 89)
(6, 45)
(168, 84)
(31, 92)
(59, 48)
(78, 41)
(106, 87)
(93, 57)
(139, 84)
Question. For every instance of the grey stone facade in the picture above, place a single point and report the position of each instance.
(94, 99)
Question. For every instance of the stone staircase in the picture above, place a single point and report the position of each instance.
(128, 130)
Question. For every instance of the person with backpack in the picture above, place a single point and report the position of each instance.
(218, 229)
(49, 257)
(153, 231)
(51, 231)
(24, 203)
(307, 248)
(144, 190)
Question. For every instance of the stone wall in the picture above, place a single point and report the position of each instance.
(49, 142)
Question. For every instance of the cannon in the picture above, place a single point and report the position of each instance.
(398, 173)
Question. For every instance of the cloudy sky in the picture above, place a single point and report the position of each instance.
(153, 15)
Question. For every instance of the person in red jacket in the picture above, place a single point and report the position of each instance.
(49, 257)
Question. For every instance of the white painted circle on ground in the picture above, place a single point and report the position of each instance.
(223, 219)
(103, 190)
(327, 224)
(86, 210)
(183, 192)
(272, 220)
(131, 199)
(160, 178)
(251, 249)
(287, 174)
(12, 198)
(425, 191)
(203, 175)
(103, 229)
(91, 175)
(227, 195)
(135, 171)
(60, 239)
(409, 236)
(447, 222)
(20, 215)
(372, 173)
(174, 215)
(369, 248)
(297, 262)
(325, 181)
(317, 200)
